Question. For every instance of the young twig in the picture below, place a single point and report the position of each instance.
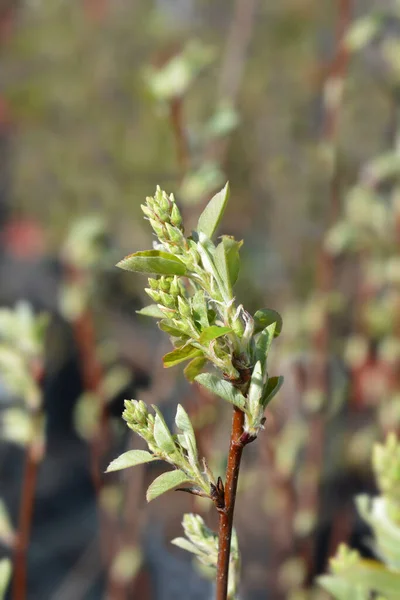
(226, 515)
(32, 460)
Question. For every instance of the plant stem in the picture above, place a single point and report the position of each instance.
(33, 457)
(226, 516)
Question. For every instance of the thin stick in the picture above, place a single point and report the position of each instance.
(226, 516)
(33, 457)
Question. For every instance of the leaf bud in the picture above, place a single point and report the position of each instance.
(167, 300)
(147, 211)
(183, 307)
(158, 228)
(176, 218)
(154, 295)
(164, 283)
(174, 287)
(153, 283)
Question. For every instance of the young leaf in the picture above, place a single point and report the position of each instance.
(213, 212)
(194, 368)
(199, 307)
(227, 260)
(130, 459)
(273, 386)
(184, 424)
(264, 342)
(5, 576)
(183, 543)
(256, 388)
(180, 354)
(265, 317)
(164, 325)
(222, 388)
(165, 482)
(162, 434)
(342, 590)
(151, 311)
(153, 262)
(212, 333)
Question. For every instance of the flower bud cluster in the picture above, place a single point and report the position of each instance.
(170, 295)
(140, 421)
(166, 221)
(386, 465)
(203, 543)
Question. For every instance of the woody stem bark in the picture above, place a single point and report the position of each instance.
(226, 516)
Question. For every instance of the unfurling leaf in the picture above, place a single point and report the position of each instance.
(151, 311)
(162, 434)
(180, 354)
(212, 333)
(265, 317)
(222, 388)
(227, 260)
(5, 576)
(213, 213)
(199, 308)
(130, 459)
(165, 482)
(154, 262)
(273, 386)
(264, 342)
(184, 424)
(194, 368)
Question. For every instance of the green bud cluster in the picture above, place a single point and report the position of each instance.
(203, 543)
(386, 466)
(166, 221)
(140, 420)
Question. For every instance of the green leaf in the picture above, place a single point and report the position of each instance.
(222, 388)
(162, 434)
(151, 311)
(273, 386)
(183, 422)
(264, 342)
(256, 388)
(374, 576)
(212, 333)
(213, 212)
(165, 482)
(130, 459)
(199, 306)
(165, 325)
(5, 575)
(227, 260)
(180, 354)
(194, 368)
(265, 317)
(342, 590)
(186, 545)
(154, 262)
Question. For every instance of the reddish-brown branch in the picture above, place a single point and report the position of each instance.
(226, 516)
(33, 457)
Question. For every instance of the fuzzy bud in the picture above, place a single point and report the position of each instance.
(183, 307)
(153, 283)
(176, 218)
(167, 300)
(164, 283)
(154, 295)
(174, 287)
